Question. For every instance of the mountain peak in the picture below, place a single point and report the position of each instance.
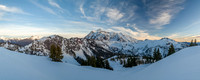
(3, 38)
(98, 30)
(168, 39)
(164, 38)
(35, 37)
(54, 36)
(109, 36)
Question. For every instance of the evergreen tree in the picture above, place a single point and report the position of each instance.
(107, 65)
(100, 63)
(59, 55)
(192, 44)
(154, 55)
(128, 64)
(56, 53)
(81, 61)
(121, 62)
(148, 58)
(52, 52)
(171, 50)
(159, 56)
(92, 61)
(131, 61)
(195, 42)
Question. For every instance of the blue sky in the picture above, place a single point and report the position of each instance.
(141, 19)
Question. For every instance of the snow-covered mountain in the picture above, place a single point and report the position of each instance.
(109, 36)
(147, 47)
(19, 41)
(76, 47)
(97, 43)
(120, 43)
(10, 46)
(1, 40)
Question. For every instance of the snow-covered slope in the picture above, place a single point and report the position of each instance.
(17, 66)
(183, 65)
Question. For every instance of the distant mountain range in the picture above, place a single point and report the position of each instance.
(96, 43)
(19, 41)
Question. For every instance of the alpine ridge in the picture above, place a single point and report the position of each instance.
(97, 43)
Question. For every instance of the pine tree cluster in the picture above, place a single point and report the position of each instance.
(148, 58)
(131, 61)
(157, 55)
(94, 62)
(56, 53)
(193, 43)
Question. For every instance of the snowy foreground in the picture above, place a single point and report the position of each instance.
(183, 65)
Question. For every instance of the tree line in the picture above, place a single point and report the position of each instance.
(133, 60)
(94, 62)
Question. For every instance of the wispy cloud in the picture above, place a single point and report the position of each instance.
(82, 10)
(193, 25)
(104, 12)
(175, 35)
(11, 9)
(52, 3)
(89, 18)
(161, 12)
(79, 25)
(163, 19)
(114, 15)
(7, 9)
(138, 34)
(44, 7)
